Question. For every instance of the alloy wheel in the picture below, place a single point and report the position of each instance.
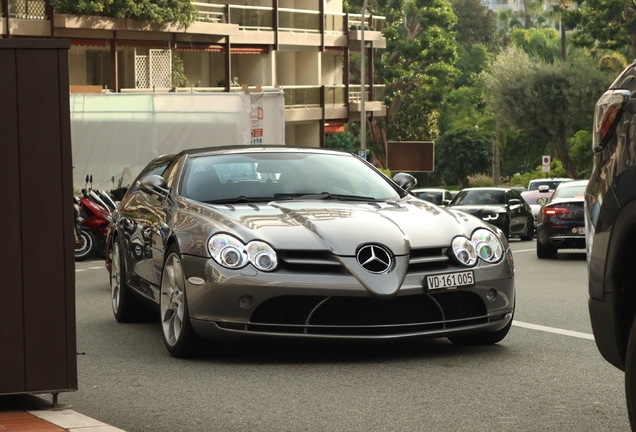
(172, 300)
(115, 278)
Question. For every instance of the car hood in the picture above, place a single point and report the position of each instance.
(338, 226)
(480, 209)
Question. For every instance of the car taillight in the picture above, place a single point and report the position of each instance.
(555, 211)
(606, 113)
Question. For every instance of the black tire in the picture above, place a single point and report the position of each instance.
(482, 338)
(84, 245)
(529, 230)
(178, 334)
(125, 307)
(100, 246)
(506, 228)
(630, 376)
(544, 251)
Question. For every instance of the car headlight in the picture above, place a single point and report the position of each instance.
(487, 245)
(483, 244)
(464, 251)
(230, 252)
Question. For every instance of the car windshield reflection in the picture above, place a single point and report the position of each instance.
(265, 176)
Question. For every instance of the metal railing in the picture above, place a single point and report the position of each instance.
(379, 91)
(334, 22)
(377, 22)
(210, 12)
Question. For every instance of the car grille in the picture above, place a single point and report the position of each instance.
(424, 259)
(358, 316)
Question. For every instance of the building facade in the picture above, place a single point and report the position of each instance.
(304, 47)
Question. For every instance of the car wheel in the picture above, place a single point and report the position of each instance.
(84, 244)
(125, 307)
(178, 334)
(482, 338)
(529, 230)
(544, 251)
(506, 228)
(630, 376)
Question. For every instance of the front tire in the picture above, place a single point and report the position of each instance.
(544, 251)
(125, 306)
(84, 244)
(529, 231)
(178, 334)
(630, 376)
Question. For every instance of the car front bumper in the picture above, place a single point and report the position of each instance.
(234, 303)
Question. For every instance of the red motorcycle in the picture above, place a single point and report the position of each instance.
(94, 218)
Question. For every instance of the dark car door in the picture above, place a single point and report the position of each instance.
(140, 215)
(516, 212)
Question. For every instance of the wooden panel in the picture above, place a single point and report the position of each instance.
(411, 156)
(12, 377)
(41, 183)
(69, 216)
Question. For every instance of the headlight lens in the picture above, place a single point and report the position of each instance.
(230, 252)
(464, 251)
(487, 245)
(483, 244)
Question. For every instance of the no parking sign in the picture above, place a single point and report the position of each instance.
(545, 163)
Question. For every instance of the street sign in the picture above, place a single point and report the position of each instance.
(362, 154)
(545, 163)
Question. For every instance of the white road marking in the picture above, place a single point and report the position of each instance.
(90, 268)
(554, 330)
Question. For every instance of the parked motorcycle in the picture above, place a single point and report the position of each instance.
(84, 239)
(95, 215)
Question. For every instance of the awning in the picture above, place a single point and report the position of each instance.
(89, 42)
(235, 49)
(149, 44)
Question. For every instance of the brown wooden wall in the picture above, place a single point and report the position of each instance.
(37, 283)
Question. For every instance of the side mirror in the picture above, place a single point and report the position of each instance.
(514, 202)
(154, 185)
(544, 188)
(405, 181)
(445, 202)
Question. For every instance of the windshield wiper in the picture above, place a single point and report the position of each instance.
(240, 199)
(326, 196)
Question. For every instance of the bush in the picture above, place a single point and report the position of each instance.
(480, 180)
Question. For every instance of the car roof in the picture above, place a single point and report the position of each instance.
(573, 183)
(429, 190)
(251, 149)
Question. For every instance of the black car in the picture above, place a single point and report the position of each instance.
(610, 222)
(561, 221)
(499, 206)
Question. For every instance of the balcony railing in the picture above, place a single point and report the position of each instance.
(377, 22)
(209, 12)
(28, 9)
(252, 17)
(379, 91)
(293, 20)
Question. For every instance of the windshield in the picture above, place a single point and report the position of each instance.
(571, 192)
(268, 175)
(480, 197)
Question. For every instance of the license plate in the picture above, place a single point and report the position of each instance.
(581, 230)
(450, 280)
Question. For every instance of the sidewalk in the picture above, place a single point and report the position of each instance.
(27, 413)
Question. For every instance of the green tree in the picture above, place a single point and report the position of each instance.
(476, 24)
(344, 141)
(542, 43)
(507, 20)
(606, 24)
(159, 11)
(416, 67)
(582, 153)
(548, 100)
(463, 152)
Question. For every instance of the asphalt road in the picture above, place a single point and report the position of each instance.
(547, 375)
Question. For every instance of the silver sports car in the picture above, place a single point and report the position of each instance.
(285, 242)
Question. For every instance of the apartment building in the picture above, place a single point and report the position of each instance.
(302, 46)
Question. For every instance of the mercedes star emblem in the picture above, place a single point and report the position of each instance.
(374, 259)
